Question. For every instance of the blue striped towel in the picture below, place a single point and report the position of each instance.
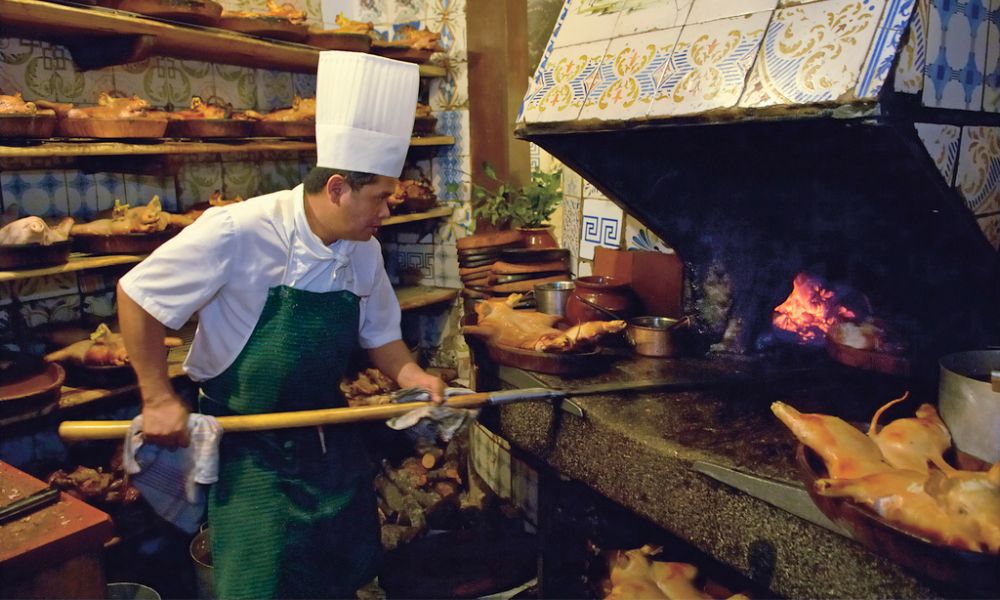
(175, 481)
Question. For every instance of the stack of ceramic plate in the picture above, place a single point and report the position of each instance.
(520, 269)
(476, 256)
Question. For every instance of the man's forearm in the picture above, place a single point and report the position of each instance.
(392, 359)
(143, 336)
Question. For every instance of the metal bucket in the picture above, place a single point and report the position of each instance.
(970, 403)
(201, 556)
(131, 591)
(551, 297)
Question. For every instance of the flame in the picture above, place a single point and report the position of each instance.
(809, 310)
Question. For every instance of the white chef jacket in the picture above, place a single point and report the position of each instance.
(223, 265)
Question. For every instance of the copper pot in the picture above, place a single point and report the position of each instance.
(599, 298)
(654, 336)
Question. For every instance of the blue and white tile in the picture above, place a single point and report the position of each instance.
(991, 90)
(624, 84)
(456, 124)
(568, 78)
(81, 195)
(584, 268)
(885, 45)
(457, 225)
(446, 258)
(703, 11)
(807, 71)
(572, 183)
(590, 191)
(978, 174)
(110, 187)
(382, 32)
(49, 286)
(909, 77)
(240, 178)
(450, 92)
(99, 305)
(990, 227)
(41, 70)
(416, 257)
(447, 19)
(640, 237)
(399, 28)
(373, 10)
(942, 143)
(956, 54)
(586, 22)
(274, 90)
(140, 189)
(235, 85)
(601, 224)
(276, 175)
(654, 16)
(37, 193)
(63, 309)
(304, 85)
(571, 208)
(708, 66)
(197, 181)
(408, 10)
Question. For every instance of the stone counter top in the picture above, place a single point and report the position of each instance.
(637, 448)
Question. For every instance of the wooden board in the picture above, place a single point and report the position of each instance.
(301, 129)
(334, 40)
(404, 53)
(199, 12)
(113, 128)
(128, 243)
(276, 28)
(209, 128)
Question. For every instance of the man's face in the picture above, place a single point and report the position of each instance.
(361, 211)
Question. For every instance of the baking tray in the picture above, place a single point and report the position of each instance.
(209, 128)
(583, 363)
(975, 572)
(38, 125)
(303, 129)
(334, 40)
(277, 28)
(30, 256)
(199, 12)
(403, 53)
(112, 128)
(35, 391)
(126, 243)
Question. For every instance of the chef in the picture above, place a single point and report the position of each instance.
(286, 286)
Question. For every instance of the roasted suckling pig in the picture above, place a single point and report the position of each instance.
(413, 195)
(532, 330)
(16, 105)
(424, 110)
(899, 472)
(200, 109)
(215, 199)
(369, 387)
(345, 25)
(303, 109)
(102, 349)
(418, 39)
(109, 107)
(34, 230)
(634, 575)
(124, 219)
(284, 11)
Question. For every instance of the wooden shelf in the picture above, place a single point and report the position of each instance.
(38, 18)
(77, 262)
(99, 148)
(418, 296)
(434, 213)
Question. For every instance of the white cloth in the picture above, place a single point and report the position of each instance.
(223, 265)
(174, 482)
(433, 422)
(365, 106)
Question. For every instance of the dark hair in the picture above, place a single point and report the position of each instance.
(316, 180)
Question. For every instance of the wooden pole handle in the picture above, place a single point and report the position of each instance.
(111, 430)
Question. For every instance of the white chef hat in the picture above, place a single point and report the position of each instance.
(365, 106)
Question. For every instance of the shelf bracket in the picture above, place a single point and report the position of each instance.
(96, 52)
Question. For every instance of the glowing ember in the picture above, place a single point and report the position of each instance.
(809, 310)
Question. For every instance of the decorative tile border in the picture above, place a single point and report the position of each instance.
(956, 54)
(640, 237)
(885, 45)
(41, 70)
(709, 65)
(942, 143)
(978, 174)
(813, 52)
(571, 227)
(38, 193)
(568, 78)
(625, 83)
(991, 91)
(703, 11)
(913, 56)
(990, 227)
(602, 224)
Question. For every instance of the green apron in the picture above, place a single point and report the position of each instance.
(293, 514)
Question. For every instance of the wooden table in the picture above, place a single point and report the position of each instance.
(55, 551)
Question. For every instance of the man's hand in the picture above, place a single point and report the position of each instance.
(417, 377)
(164, 421)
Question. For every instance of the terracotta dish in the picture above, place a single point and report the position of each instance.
(209, 128)
(424, 125)
(302, 129)
(974, 572)
(128, 243)
(334, 40)
(113, 128)
(278, 28)
(36, 389)
(30, 256)
(199, 12)
(567, 364)
(404, 53)
(39, 125)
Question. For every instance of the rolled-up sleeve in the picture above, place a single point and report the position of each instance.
(183, 274)
(380, 318)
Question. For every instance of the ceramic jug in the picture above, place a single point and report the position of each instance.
(599, 298)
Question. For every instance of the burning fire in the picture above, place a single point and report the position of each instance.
(809, 310)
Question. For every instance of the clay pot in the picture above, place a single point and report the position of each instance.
(538, 237)
(599, 298)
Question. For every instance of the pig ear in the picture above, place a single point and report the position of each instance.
(155, 204)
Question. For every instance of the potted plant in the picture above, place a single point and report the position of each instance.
(526, 208)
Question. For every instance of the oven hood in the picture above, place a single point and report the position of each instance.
(761, 138)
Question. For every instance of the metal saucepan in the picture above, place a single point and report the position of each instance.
(969, 401)
(654, 336)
